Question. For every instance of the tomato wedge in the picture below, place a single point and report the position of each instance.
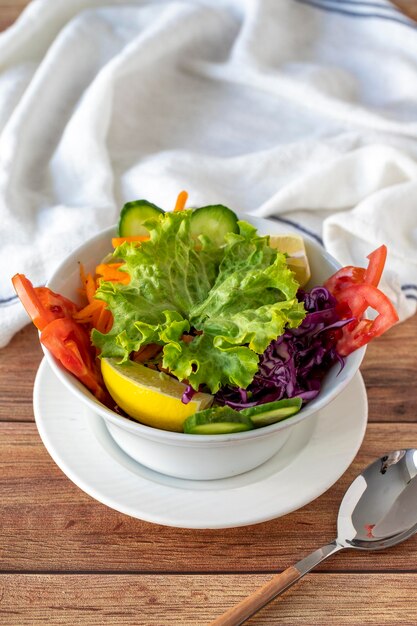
(376, 264)
(69, 342)
(58, 305)
(37, 312)
(355, 289)
(343, 278)
(360, 332)
(41, 304)
(351, 275)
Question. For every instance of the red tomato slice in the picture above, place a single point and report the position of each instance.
(42, 305)
(376, 264)
(359, 333)
(349, 276)
(343, 278)
(69, 342)
(39, 314)
(58, 305)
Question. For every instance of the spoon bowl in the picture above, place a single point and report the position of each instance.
(378, 511)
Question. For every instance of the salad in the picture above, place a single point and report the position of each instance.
(196, 323)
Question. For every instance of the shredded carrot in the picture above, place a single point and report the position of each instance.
(95, 314)
(181, 200)
(83, 277)
(90, 287)
(117, 241)
(86, 315)
(102, 319)
(110, 271)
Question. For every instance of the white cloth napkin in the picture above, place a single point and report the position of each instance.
(300, 109)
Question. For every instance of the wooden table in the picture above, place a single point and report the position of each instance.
(66, 559)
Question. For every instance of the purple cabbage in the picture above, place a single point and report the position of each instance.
(295, 363)
(188, 394)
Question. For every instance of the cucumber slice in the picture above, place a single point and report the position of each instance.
(217, 421)
(134, 214)
(214, 222)
(272, 412)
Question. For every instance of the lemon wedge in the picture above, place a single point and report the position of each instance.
(149, 396)
(297, 261)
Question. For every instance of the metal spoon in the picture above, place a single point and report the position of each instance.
(378, 511)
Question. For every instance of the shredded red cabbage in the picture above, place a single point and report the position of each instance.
(296, 362)
(188, 394)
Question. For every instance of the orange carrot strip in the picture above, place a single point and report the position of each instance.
(117, 241)
(88, 284)
(104, 266)
(102, 319)
(181, 200)
(96, 317)
(83, 278)
(90, 287)
(110, 271)
(86, 314)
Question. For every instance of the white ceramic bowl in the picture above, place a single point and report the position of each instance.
(197, 457)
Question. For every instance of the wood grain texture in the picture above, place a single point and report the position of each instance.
(19, 362)
(10, 10)
(49, 524)
(409, 7)
(258, 598)
(319, 600)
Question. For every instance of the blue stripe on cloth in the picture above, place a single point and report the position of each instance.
(11, 300)
(411, 296)
(7, 301)
(304, 230)
(405, 287)
(332, 9)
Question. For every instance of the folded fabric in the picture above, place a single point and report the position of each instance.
(304, 110)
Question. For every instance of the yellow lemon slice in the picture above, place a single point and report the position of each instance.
(149, 396)
(297, 261)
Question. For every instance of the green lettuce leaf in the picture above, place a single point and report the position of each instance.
(239, 297)
(168, 276)
(201, 363)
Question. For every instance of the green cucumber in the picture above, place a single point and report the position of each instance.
(214, 222)
(134, 214)
(217, 421)
(271, 412)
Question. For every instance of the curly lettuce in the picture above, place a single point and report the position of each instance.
(238, 298)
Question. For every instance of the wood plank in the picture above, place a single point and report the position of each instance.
(409, 7)
(19, 362)
(10, 11)
(135, 600)
(49, 524)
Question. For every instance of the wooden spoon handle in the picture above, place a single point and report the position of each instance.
(247, 607)
(279, 583)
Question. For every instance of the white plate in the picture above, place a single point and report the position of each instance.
(317, 453)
